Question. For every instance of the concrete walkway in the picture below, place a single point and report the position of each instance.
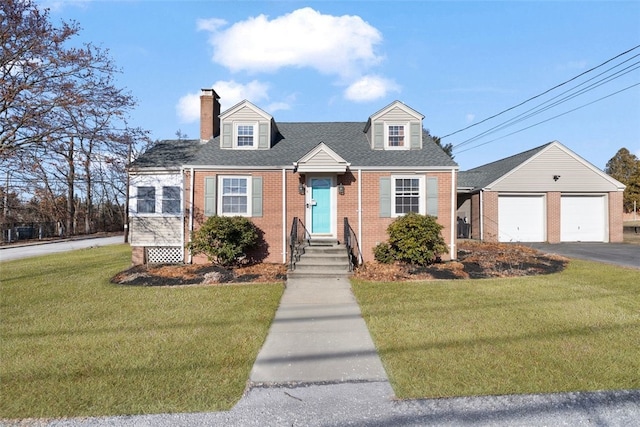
(318, 336)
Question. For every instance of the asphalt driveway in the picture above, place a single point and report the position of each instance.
(623, 254)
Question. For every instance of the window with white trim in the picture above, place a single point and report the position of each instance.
(408, 195)
(171, 200)
(396, 136)
(146, 199)
(234, 195)
(245, 135)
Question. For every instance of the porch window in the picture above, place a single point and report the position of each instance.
(408, 195)
(235, 197)
(171, 200)
(146, 199)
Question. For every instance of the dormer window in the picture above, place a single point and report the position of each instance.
(245, 135)
(396, 136)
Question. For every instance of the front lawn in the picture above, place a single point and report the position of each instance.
(74, 344)
(574, 330)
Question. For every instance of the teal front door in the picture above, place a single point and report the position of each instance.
(320, 205)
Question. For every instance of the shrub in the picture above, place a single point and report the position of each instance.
(414, 239)
(224, 239)
(382, 253)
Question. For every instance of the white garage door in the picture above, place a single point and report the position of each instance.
(582, 219)
(521, 219)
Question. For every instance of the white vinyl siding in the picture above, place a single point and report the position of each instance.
(521, 218)
(537, 175)
(156, 231)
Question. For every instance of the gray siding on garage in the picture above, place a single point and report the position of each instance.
(156, 231)
(537, 175)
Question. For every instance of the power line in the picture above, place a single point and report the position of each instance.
(543, 93)
(552, 118)
(540, 108)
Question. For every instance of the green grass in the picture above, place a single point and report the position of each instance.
(73, 344)
(575, 330)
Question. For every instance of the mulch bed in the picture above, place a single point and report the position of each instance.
(199, 274)
(476, 260)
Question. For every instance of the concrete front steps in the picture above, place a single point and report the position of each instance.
(322, 258)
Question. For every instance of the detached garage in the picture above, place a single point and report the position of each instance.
(547, 194)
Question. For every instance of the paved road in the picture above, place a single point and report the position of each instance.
(12, 252)
(612, 253)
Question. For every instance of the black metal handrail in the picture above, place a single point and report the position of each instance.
(351, 242)
(298, 239)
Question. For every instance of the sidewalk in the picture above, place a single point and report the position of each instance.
(318, 336)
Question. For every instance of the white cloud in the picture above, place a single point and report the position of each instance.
(57, 5)
(212, 24)
(334, 45)
(230, 92)
(188, 108)
(277, 106)
(369, 88)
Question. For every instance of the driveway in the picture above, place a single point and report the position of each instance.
(611, 253)
(32, 249)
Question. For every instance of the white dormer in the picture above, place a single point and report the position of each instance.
(321, 159)
(395, 127)
(246, 127)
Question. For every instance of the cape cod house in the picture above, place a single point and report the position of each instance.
(327, 181)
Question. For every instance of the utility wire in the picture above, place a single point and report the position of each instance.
(540, 108)
(551, 118)
(543, 93)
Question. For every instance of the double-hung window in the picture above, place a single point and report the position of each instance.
(396, 136)
(245, 136)
(408, 195)
(171, 200)
(146, 200)
(234, 196)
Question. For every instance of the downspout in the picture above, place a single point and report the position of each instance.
(191, 195)
(360, 216)
(481, 218)
(284, 216)
(182, 234)
(452, 249)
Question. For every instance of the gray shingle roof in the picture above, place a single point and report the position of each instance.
(347, 139)
(484, 175)
(167, 154)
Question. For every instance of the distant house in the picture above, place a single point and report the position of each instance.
(547, 194)
(327, 178)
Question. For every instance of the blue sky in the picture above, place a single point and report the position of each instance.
(457, 63)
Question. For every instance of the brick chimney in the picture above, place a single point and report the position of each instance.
(209, 114)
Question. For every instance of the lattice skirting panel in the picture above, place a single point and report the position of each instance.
(164, 255)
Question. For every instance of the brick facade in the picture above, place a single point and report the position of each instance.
(552, 220)
(276, 231)
(553, 217)
(616, 225)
